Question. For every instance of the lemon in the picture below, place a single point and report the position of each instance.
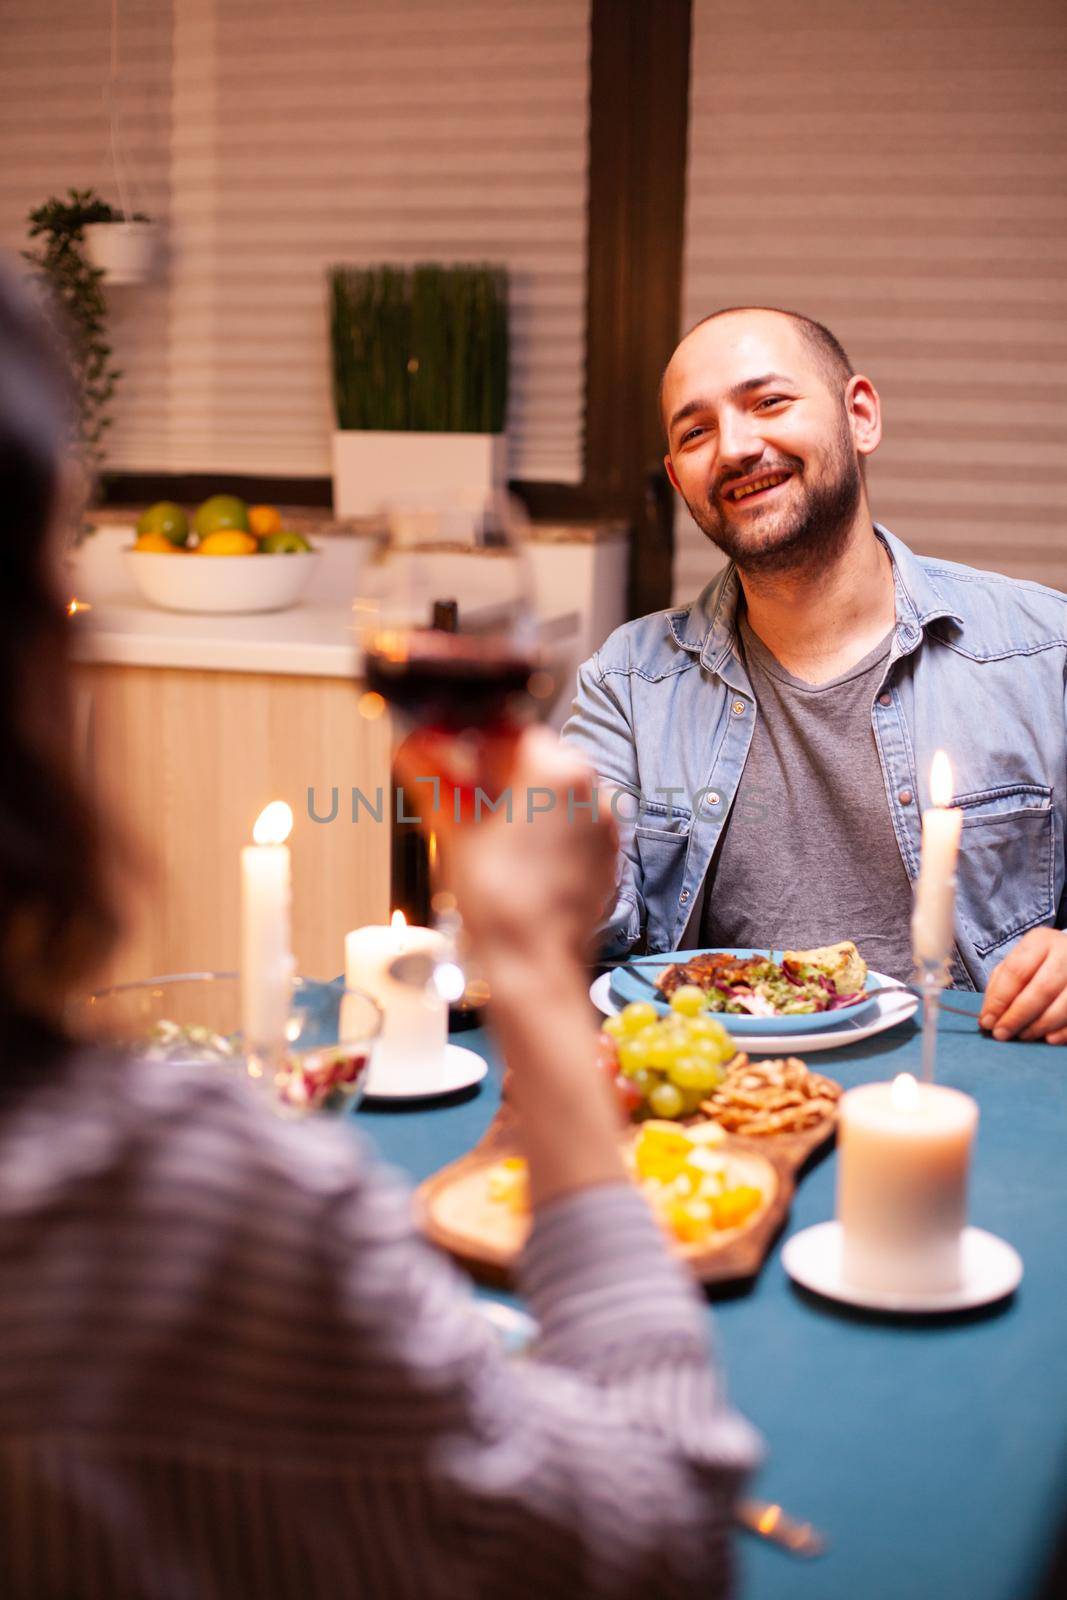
(263, 520)
(283, 543)
(219, 512)
(157, 543)
(227, 542)
(166, 518)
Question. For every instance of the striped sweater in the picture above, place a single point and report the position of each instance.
(232, 1368)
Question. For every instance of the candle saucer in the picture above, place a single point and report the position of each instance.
(992, 1269)
(458, 1069)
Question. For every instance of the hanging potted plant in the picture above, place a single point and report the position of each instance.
(124, 249)
(420, 362)
(75, 294)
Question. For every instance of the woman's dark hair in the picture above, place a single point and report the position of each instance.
(58, 919)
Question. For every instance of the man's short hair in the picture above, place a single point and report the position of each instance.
(828, 350)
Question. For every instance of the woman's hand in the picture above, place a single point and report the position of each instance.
(532, 879)
(532, 873)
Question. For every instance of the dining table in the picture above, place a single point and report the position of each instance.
(930, 1451)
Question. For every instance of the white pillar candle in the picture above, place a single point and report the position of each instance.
(904, 1150)
(410, 1052)
(932, 922)
(266, 958)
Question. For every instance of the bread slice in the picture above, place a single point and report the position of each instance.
(842, 964)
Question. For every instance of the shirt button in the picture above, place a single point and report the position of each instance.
(684, 896)
(711, 800)
(905, 797)
(885, 699)
(738, 708)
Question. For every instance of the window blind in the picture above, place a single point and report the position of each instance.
(55, 62)
(297, 136)
(900, 174)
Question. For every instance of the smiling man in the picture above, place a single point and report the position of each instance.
(770, 744)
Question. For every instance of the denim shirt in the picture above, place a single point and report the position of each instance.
(977, 666)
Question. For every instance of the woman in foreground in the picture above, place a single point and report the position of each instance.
(231, 1367)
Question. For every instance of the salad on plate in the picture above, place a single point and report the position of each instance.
(803, 983)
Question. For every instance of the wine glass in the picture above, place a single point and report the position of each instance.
(450, 641)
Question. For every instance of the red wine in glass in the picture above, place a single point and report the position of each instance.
(452, 682)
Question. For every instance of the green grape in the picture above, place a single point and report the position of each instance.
(637, 1015)
(703, 1027)
(692, 1100)
(632, 1056)
(688, 1000)
(666, 1100)
(693, 1072)
(706, 1027)
(645, 1081)
(614, 1027)
(660, 1053)
(707, 1051)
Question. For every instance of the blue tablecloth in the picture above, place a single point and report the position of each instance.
(932, 1452)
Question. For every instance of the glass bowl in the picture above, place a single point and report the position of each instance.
(196, 1016)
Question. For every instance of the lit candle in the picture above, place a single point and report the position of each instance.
(932, 930)
(266, 959)
(410, 1052)
(904, 1150)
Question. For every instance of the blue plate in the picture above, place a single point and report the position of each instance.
(625, 987)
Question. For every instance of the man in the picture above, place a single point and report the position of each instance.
(777, 734)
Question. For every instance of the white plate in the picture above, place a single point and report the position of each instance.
(459, 1069)
(991, 1270)
(889, 1011)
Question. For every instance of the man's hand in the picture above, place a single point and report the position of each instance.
(1027, 993)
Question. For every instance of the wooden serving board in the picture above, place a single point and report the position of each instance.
(795, 1149)
(487, 1237)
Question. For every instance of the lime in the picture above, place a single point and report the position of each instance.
(220, 512)
(283, 543)
(166, 518)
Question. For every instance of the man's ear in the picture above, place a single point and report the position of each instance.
(864, 411)
(669, 464)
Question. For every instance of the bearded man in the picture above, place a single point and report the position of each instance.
(775, 737)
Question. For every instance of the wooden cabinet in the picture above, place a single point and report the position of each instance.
(184, 760)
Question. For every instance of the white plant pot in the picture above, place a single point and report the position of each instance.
(372, 471)
(125, 252)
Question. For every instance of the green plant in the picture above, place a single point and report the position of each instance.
(77, 301)
(420, 349)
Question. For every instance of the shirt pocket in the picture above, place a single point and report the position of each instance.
(662, 842)
(1008, 862)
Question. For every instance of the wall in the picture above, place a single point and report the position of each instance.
(275, 139)
(900, 174)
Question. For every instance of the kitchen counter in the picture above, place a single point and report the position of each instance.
(312, 639)
(115, 624)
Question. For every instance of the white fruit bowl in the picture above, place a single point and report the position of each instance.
(185, 581)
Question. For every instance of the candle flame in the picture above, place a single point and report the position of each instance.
(769, 1519)
(941, 780)
(371, 706)
(274, 823)
(75, 605)
(905, 1092)
(398, 920)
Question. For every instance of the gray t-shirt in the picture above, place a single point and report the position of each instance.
(808, 855)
